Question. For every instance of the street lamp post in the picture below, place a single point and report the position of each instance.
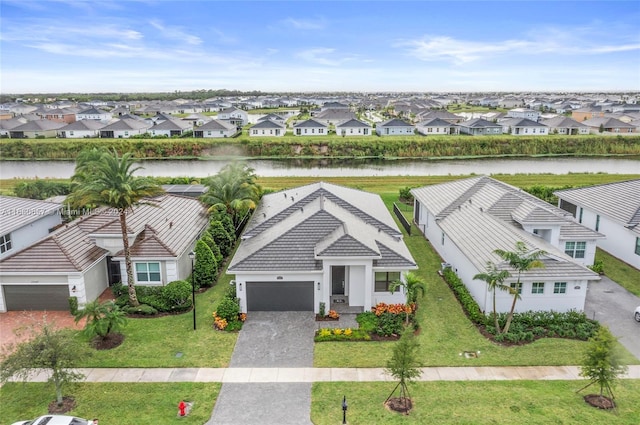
(192, 255)
(344, 410)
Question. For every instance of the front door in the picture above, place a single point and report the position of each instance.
(337, 280)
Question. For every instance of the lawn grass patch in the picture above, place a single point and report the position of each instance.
(154, 342)
(114, 403)
(473, 403)
(627, 276)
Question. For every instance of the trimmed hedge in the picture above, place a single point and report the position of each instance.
(469, 305)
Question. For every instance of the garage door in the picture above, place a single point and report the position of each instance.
(36, 297)
(280, 296)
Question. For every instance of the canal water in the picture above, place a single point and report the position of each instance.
(344, 168)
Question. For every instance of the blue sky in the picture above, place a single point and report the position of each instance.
(133, 46)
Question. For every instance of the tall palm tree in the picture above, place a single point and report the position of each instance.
(494, 279)
(412, 285)
(233, 190)
(106, 179)
(522, 259)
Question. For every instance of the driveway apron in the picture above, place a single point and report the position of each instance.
(612, 305)
(268, 340)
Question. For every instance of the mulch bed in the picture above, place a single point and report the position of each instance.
(110, 341)
(325, 318)
(399, 405)
(68, 404)
(599, 401)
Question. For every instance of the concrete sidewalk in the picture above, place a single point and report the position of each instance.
(310, 374)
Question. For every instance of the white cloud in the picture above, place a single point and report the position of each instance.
(305, 24)
(326, 56)
(175, 33)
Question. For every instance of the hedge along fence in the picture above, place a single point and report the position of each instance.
(331, 146)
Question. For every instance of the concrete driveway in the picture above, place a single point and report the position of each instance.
(612, 305)
(267, 340)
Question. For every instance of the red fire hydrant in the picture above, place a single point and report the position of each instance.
(182, 407)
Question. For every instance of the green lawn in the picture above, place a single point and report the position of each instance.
(473, 403)
(621, 272)
(155, 342)
(114, 403)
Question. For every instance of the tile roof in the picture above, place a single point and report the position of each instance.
(165, 227)
(18, 212)
(619, 201)
(481, 214)
(294, 229)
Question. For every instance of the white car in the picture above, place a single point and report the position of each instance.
(54, 420)
(636, 314)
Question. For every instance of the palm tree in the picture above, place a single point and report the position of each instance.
(522, 259)
(233, 190)
(494, 279)
(412, 285)
(106, 179)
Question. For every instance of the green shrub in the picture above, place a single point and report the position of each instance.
(73, 305)
(367, 321)
(155, 301)
(145, 309)
(234, 325)
(469, 305)
(118, 289)
(228, 309)
(598, 266)
(389, 324)
(206, 268)
(330, 334)
(322, 311)
(208, 239)
(177, 294)
(221, 237)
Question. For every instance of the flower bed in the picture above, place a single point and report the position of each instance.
(339, 334)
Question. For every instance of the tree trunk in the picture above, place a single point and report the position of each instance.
(513, 307)
(58, 384)
(495, 314)
(133, 299)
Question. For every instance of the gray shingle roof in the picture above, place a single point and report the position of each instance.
(435, 122)
(353, 123)
(520, 122)
(267, 124)
(478, 123)
(562, 122)
(217, 125)
(126, 124)
(84, 125)
(310, 123)
(395, 122)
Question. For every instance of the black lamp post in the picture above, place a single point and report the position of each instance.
(344, 410)
(192, 255)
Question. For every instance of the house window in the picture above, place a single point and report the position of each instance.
(597, 222)
(442, 241)
(560, 288)
(384, 280)
(537, 288)
(575, 249)
(518, 285)
(208, 133)
(148, 272)
(580, 217)
(637, 246)
(5, 243)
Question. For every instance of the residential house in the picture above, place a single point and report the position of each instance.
(583, 114)
(436, 126)
(267, 128)
(334, 116)
(612, 209)
(235, 116)
(196, 120)
(467, 220)
(125, 128)
(443, 115)
(609, 125)
(7, 125)
(94, 114)
(565, 125)
(36, 129)
(84, 257)
(171, 127)
(479, 127)
(81, 129)
(24, 221)
(61, 115)
(523, 127)
(216, 128)
(273, 117)
(353, 127)
(529, 114)
(319, 243)
(394, 127)
(310, 127)
(333, 105)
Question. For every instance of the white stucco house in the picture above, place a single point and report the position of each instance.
(435, 127)
(234, 116)
(466, 220)
(319, 243)
(353, 127)
(82, 258)
(529, 114)
(25, 221)
(125, 128)
(81, 129)
(216, 128)
(170, 127)
(612, 209)
(267, 128)
(394, 126)
(310, 127)
(523, 127)
(94, 114)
